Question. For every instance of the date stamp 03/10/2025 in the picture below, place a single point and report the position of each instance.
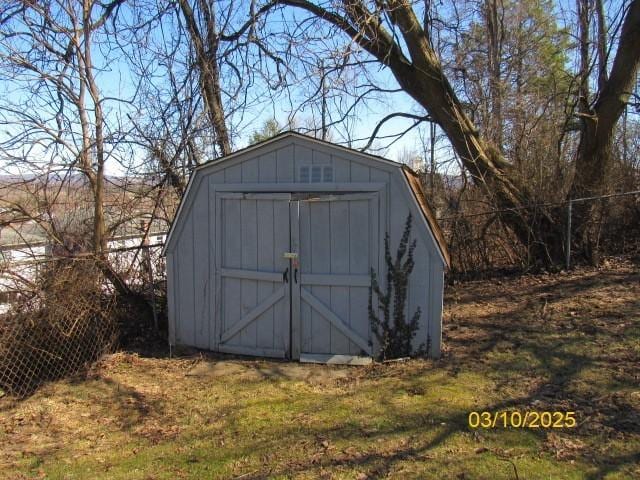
(526, 419)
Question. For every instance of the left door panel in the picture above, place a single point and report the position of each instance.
(253, 276)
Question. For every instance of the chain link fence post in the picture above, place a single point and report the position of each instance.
(567, 248)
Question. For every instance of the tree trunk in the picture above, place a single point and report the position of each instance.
(599, 120)
(94, 174)
(420, 74)
(494, 57)
(422, 77)
(99, 227)
(206, 59)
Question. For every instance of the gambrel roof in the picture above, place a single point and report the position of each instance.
(411, 179)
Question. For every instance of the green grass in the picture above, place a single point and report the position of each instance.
(206, 417)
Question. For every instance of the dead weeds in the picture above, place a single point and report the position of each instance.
(568, 342)
(576, 335)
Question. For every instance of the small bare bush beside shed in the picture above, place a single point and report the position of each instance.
(65, 324)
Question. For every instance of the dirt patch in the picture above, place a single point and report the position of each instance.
(567, 341)
(213, 369)
(271, 370)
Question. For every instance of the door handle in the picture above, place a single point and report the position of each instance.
(295, 275)
(284, 275)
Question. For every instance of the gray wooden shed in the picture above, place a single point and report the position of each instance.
(271, 249)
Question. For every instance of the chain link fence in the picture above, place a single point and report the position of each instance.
(65, 326)
(480, 243)
(65, 314)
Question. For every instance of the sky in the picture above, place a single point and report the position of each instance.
(117, 81)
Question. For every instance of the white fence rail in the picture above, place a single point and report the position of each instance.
(137, 260)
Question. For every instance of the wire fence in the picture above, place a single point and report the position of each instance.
(66, 325)
(61, 313)
(635, 234)
(66, 314)
(480, 242)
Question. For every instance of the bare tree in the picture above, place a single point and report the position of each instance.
(599, 113)
(57, 117)
(206, 48)
(201, 68)
(391, 33)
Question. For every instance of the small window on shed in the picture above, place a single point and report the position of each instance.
(315, 174)
(304, 174)
(327, 174)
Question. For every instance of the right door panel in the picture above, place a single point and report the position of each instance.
(338, 245)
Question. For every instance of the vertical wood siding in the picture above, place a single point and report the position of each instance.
(192, 289)
(185, 326)
(255, 233)
(285, 164)
(215, 178)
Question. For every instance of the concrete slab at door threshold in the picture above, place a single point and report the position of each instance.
(334, 359)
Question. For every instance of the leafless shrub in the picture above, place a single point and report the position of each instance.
(60, 330)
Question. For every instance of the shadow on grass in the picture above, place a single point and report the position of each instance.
(556, 352)
(519, 343)
(558, 286)
(413, 428)
(556, 359)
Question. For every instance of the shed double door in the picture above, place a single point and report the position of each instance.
(294, 273)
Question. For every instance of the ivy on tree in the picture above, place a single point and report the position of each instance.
(392, 330)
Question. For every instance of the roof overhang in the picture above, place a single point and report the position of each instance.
(411, 178)
(413, 181)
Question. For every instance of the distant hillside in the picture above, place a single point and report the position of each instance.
(76, 179)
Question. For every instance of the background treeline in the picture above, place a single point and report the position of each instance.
(513, 107)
